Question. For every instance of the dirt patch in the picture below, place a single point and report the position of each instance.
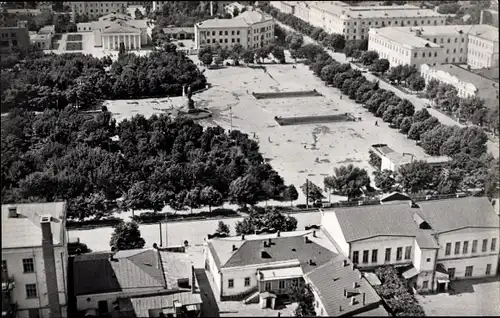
(290, 94)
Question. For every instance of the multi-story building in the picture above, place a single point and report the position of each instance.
(251, 29)
(157, 5)
(14, 37)
(43, 38)
(95, 9)
(467, 83)
(439, 240)
(436, 45)
(264, 266)
(34, 259)
(113, 29)
(354, 22)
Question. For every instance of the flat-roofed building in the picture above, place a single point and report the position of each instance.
(43, 39)
(14, 37)
(96, 9)
(251, 29)
(467, 83)
(435, 45)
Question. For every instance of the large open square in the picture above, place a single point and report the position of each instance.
(296, 151)
(471, 297)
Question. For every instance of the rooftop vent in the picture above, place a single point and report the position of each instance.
(353, 301)
(278, 234)
(311, 262)
(234, 248)
(242, 237)
(340, 308)
(355, 285)
(13, 212)
(364, 298)
(45, 219)
(344, 263)
(306, 239)
(264, 243)
(314, 233)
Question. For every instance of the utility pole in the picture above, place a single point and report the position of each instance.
(166, 231)
(231, 115)
(161, 239)
(307, 193)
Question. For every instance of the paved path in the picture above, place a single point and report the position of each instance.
(419, 103)
(209, 307)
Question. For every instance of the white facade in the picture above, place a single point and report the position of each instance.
(95, 9)
(483, 51)
(465, 89)
(478, 259)
(14, 261)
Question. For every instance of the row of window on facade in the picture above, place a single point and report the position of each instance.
(468, 271)
(481, 43)
(106, 4)
(281, 285)
(97, 11)
(374, 258)
(465, 247)
(395, 22)
(28, 267)
(223, 40)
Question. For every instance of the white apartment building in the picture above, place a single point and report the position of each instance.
(96, 9)
(34, 260)
(441, 240)
(251, 29)
(355, 22)
(436, 45)
(157, 5)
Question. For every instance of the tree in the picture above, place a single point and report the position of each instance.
(137, 197)
(244, 190)
(406, 108)
(470, 105)
(138, 14)
(126, 236)
(415, 176)
(207, 59)
(405, 125)
(122, 49)
(211, 197)
(223, 228)
(368, 57)
(290, 194)
(295, 41)
(421, 115)
(334, 41)
(248, 56)
(390, 113)
(279, 54)
(416, 82)
(305, 299)
(272, 220)
(380, 66)
(218, 61)
(313, 191)
(236, 12)
(384, 180)
(418, 128)
(433, 139)
(348, 180)
(431, 89)
(192, 199)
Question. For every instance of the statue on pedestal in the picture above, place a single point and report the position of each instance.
(189, 101)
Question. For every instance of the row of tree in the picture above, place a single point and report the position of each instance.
(64, 155)
(56, 81)
(466, 146)
(218, 54)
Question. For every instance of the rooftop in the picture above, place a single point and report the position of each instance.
(490, 73)
(25, 230)
(243, 20)
(95, 273)
(290, 246)
(438, 30)
(142, 305)
(332, 278)
(175, 266)
(486, 89)
(486, 32)
(403, 38)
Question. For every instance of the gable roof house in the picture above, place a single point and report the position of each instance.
(262, 267)
(420, 236)
(140, 282)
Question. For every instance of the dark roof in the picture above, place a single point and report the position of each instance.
(453, 214)
(425, 239)
(329, 281)
(363, 222)
(281, 249)
(395, 196)
(94, 273)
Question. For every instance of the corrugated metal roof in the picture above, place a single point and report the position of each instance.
(142, 305)
(25, 230)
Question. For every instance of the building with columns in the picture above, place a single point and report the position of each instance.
(113, 29)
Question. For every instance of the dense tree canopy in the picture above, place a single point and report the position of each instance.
(271, 220)
(126, 236)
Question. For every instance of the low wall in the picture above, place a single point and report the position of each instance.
(312, 93)
(300, 120)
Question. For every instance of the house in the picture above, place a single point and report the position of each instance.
(179, 33)
(34, 260)
(14, 37)
(123, 282)
(419, 237)
(43, 39)
(96, 9)
(113, 29)
(392, 160)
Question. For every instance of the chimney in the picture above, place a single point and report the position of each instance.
(158, 259)
(306, 239)
(364, 298)
(352, 266)
(211, 8)
(353, 301)
(263, 254)
(344, 263)
(50, 266)
(242, 237)
(264, 243)
(155, 246)
(234, 248)
(345, 293)
(12, 212)
(340, 308)
(193, 280)
(360, 275)
(355, 285)
(278, 234)
(314, 233)
(269, 242)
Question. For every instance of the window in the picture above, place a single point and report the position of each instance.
(268, 286)
(454, 50)
(389, 22)
(425, 284)
(220, 40)
(237, 32)
(220, 32)
(474, 246)
(232, 40)
(376, 22)
(282, 284)
(441, 40)
(208, 41)
(232, 32)
(213, 33)
(493, 244)
(448, 249)
(225, 33)
(295, 282)
(374, 256)
(448, 41)
(435, 40)
(408, 252)
(225, 40)
(451, 272)
(463, 40)
(365, 256)
(453, 60)
(461, 50)
(488, 269)
(435, 54)
(447, 51)
(465, 249)
(28, 265)
(415, 54)
(468, 271)
(428, 260)
(484, 247)
(446, 60)
(247, 281)
(395, 22)
(31, 290)
(369, 23)
(230, 283)
(355, 257)
(387, 255)
(399, 253)
(238, 40)
(354, 23)
(457, 248)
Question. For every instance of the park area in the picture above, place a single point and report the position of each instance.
(299, 151)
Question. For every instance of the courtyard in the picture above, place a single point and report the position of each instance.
(297, 152)
(471, 297)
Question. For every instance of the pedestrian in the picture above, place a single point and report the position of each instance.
(340, 96)
(269, 139)
(376, 123)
